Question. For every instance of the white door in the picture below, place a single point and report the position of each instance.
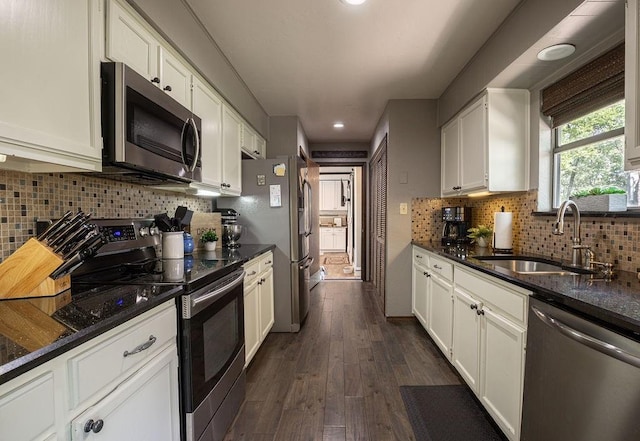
(473, 146)
(502, 371)
(251, 320)
(175, 78)
(450, 158)
(466, 337)
(266, 303)
(420, 293)
(440, 313)
(143, 408)
(231, 152)
(208, 106)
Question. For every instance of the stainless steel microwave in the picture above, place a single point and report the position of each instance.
(148, 137)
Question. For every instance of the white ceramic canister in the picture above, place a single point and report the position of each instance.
(172, 245)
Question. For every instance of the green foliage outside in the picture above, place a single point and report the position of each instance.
(600, 164)
(597, 191)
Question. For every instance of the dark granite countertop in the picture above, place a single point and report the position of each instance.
(614, 303)
(29, 336)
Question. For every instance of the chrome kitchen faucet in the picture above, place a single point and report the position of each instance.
(577, 247)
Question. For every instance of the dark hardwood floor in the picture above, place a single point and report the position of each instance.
(339, 377)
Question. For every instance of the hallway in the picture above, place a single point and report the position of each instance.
(339, 377)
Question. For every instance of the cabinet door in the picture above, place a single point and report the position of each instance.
(175, 78)
(251, 320)
(261, 147)
(143, 408)
(231, 152)
(326, 239)
(340, 239)
(502, 371)
(28, 411)
(208, 106)
(440, 313)
(419, 293)
(266, 303)
(50, 108)
(327, 195)
(631, 85)
(466, 337)
(473, 146)
(450, 158)
(129, 42)
(249, 141)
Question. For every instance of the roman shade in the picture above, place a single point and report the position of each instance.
(597, 84)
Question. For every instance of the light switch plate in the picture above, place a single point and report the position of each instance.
(404, 208)
(262, 180)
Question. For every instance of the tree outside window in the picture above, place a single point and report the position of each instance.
(590, 153)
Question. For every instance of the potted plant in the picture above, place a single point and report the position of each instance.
(480, 235)
(210, 239)
(601, 199)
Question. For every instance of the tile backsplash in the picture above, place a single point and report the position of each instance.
(25, 197)
(613, 240)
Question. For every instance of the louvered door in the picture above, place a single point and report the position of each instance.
(379, 219)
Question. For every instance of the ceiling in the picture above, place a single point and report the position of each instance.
(326, 61)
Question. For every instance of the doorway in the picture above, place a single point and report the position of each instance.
(341, 217)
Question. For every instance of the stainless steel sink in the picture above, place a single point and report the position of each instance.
(524, 266)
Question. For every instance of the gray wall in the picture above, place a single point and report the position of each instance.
(174, 20)
(286, 137)
(413, 170)
(529, 22)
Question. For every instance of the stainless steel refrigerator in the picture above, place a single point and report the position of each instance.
(275, 209)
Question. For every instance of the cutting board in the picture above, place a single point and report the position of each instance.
(201, 222)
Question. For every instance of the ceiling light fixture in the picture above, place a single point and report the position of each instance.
(556, 52)
(353, 2)
(338, 125)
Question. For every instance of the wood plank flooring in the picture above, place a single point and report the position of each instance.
(339, 377)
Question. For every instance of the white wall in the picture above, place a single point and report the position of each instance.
(413, 170)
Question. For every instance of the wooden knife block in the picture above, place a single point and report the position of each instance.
(26, 272)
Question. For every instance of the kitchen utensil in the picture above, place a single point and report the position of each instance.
(186, 219)
(232, 234)
(180, 213)
(86, 251)
(54, 226)
(74, 225)
(72, 239)
(163, 222)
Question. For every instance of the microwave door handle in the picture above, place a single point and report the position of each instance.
(196, 156)
(183, 141)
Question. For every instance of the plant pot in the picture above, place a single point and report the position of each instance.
(210, 246)
(481, 242)
(602, 202)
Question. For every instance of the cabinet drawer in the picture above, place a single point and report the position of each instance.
(507, 300)
(99, 365)
(266, 261)
(252, 269)
(441, 267)
(420, 257)
(28, 412)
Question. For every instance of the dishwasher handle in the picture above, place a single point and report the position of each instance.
(587, 340)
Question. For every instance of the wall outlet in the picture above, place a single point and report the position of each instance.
(403, 208)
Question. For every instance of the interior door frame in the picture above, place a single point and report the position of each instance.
(364, 245)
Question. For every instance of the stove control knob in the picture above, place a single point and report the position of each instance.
(154, 231)
(144, 231)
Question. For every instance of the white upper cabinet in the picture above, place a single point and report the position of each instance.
(50, 112)
(208, 106)
(486, 146)
(631, 86)
(175, 78)
(253, 145)
(231, 152)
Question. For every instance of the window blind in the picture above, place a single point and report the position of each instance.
(597, 84)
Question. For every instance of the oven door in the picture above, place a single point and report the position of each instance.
(211, 349)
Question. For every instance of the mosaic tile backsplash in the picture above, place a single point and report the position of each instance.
(25, 197)
(613, 240)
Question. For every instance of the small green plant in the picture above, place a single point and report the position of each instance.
(479, 231)
(596, 191)
(209, 236)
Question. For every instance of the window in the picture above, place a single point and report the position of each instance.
(589, 152)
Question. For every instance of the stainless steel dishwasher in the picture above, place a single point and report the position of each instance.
(582, 382)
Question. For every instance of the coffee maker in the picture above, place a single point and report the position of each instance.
(457, 220)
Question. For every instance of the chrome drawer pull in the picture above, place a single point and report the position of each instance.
(437, 267)
(144, 346)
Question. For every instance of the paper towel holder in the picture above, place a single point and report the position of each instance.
(495, 229)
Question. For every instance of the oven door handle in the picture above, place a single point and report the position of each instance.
(199, 303)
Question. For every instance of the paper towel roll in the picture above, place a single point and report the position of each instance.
(502, 230)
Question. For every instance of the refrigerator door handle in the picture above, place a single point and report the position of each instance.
(307, 263)
(307, 209)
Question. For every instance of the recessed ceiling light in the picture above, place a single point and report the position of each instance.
(556, 52)
(353, 2)
(338, 125)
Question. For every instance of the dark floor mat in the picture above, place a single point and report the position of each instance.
(447, 413)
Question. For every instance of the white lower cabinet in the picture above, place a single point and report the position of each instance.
(258, 303)
(440, 313)
(96, 392)
(480, 324)
(138, 408)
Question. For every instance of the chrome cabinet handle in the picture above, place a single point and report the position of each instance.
(252, 273)
(437, 267)
(587, 340)
(93, 426)
(143, 347)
